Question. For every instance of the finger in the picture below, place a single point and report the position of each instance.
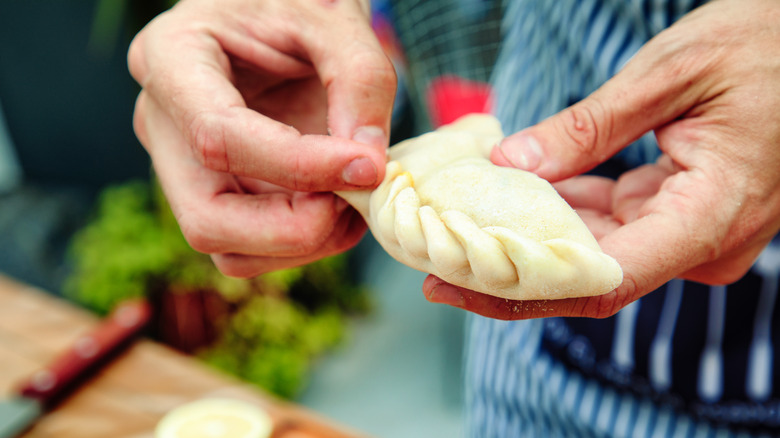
(728, 268)
(189, 77)
(592, 199)
(660, 83)
(359, 77)
(599, 224)
(673, 234)
(272, 224)
(438, 291)
(217, 215)
(681, 224)
(344, 237)
(257, 186)
(634, 188)
(587, 192)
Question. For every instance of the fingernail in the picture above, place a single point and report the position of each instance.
(370, 135)
(522, 151)
(360, 172)
(445, 293)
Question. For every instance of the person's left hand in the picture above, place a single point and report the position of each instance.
(710, 88)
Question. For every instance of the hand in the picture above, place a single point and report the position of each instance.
(237, 99)
(710, 88)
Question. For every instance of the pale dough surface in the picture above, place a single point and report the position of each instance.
(445, 209)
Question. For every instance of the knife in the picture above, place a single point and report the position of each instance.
(48, 386)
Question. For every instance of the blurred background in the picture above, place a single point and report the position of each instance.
(80, 216)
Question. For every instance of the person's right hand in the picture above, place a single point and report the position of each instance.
(237, 99)
(709, 87)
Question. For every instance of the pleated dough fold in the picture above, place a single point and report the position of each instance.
(445, 209)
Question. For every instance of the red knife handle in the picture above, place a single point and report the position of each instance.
(87, 352)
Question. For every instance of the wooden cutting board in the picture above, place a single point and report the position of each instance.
(129, 396)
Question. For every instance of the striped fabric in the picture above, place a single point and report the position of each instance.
(687, 360)
(517, 389)
(557, 52)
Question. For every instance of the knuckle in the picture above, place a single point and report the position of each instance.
(588, 125)
(709, 247)
(684, 58)
(381, 71)
(373, 69)
(207, 139)
(297, 229)
(607, 305)
(301, 180)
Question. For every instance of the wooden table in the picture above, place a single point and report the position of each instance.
(129, 396)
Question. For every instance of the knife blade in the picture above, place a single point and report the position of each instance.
(48, 386)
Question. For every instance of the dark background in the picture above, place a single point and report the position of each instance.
(67, 98)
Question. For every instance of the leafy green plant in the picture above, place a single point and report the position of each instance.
(275, 325)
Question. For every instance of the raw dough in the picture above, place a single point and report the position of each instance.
(445, 209)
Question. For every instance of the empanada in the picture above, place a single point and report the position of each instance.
(445, 209)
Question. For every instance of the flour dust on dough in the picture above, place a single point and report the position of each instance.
(445, 209)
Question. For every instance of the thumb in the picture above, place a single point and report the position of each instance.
(359, 78)
(653, 89)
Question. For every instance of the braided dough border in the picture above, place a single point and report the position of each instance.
(494, 260)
